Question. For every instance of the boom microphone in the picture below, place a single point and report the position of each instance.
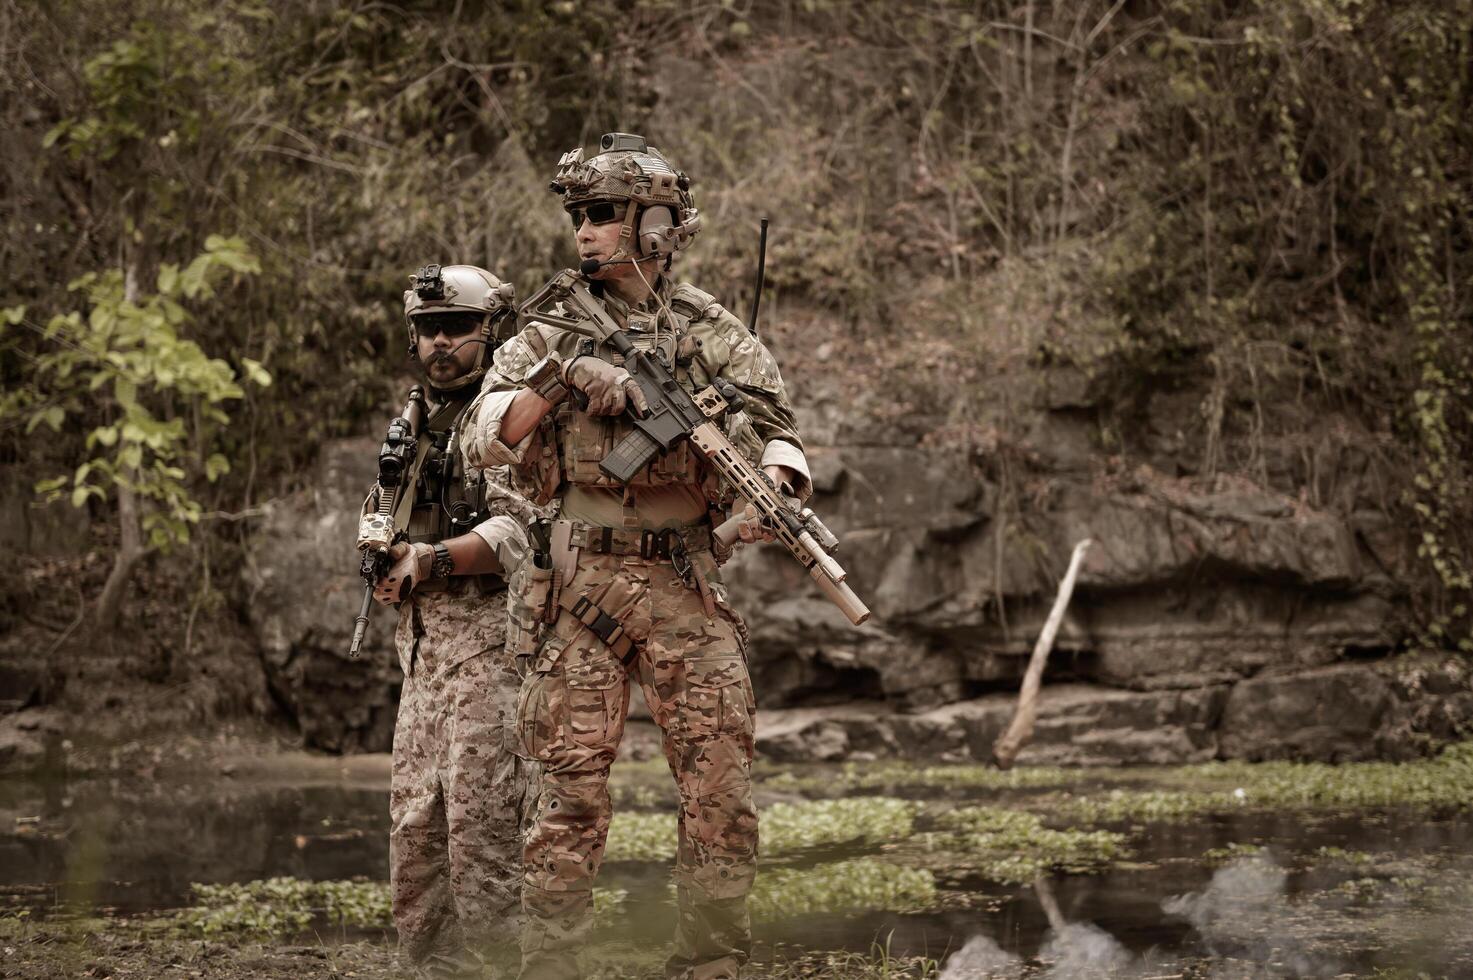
(589, 266)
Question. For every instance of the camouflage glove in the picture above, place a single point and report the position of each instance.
(412, 564)
(609, 389)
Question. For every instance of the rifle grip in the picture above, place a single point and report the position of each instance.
(726, 531)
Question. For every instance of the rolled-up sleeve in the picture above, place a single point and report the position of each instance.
(505, 537)
(780, 452)
(482, 445)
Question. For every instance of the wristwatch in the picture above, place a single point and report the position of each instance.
(546, 379)
(444, 564)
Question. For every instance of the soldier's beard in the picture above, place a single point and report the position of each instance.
(442, 368)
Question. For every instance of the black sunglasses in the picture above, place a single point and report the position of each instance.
(598, 212)
(452, 325)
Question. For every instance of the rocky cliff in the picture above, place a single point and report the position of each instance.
(1215, 617)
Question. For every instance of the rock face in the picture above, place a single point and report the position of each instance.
(305, 594)
(1215, 617)
(1335, 714)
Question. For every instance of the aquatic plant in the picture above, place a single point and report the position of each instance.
(283, 906)
(788, 827)
(785, 827)
(641, 837)
(1012, 846)
(1227, 854)
(1442, 782)
(853, 776)
(860, 885)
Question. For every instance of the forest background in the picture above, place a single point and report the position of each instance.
(209, 214)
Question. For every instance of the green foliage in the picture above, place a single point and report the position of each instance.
(149, 397)
(641, 837)
(1443, 782)
(852, 776)
(151, 86)
(1014, 847)
(861, 885)
(279, 907)
(1262, 200)
(786, 827)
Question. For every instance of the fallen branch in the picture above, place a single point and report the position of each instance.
(1006, 748)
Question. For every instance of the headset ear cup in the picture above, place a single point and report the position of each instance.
(656, 231)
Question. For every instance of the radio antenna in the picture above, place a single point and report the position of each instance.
(761, 271)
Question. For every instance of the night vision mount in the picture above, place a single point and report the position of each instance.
(429, 283)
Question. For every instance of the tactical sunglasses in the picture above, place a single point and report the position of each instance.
(598, 212)
(452, 325)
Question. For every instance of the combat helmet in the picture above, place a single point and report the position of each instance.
(660, 216)
(466, 290)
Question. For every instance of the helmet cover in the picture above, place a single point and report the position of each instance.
(627, 168)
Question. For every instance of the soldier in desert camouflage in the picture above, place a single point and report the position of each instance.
(458, 798)
(630, 587)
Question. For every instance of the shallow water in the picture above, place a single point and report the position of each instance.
(136, 845)
(1276, 906)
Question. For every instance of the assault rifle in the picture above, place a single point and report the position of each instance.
(677, 415)
(398, 468)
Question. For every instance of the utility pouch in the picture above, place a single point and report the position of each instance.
(527, 602)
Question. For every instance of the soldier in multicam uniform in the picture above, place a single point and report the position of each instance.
(459, 799)
(631, 583)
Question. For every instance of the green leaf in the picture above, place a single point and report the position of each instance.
(55, 133)
(216, 466)
(52, 485)
(255, 372)
(168, 278)
(52, 416)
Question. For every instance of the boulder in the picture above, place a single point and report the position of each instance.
(305, 593)
(1334, 714)
(31, 742)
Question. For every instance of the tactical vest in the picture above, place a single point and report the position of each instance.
(584, 440)
(448, 502)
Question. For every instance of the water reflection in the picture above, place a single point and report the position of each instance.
(1299, 894)
(136, 845)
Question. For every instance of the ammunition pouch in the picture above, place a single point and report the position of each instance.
(585, 440)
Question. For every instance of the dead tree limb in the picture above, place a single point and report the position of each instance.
(1006, 748)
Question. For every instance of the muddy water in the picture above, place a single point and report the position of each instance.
(136, 845)
(1276, 904)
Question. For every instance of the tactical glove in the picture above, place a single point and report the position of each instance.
(412, 564)
(609, 389)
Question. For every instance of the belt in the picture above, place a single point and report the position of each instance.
(662, 545)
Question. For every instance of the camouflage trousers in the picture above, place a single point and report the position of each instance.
(459, 798)
(570, 714)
